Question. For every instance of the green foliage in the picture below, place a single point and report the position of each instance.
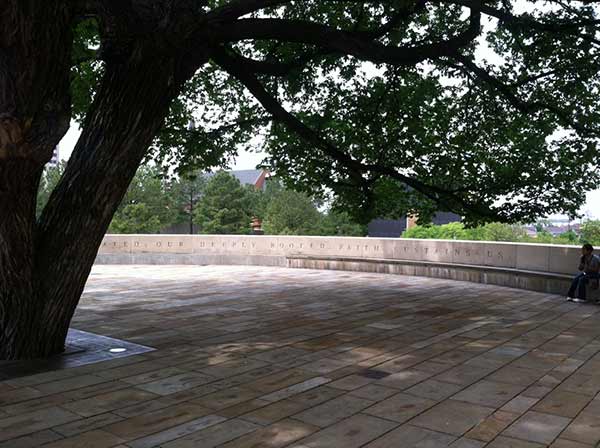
(457, 231)
(135, 218)
(590, 232)
(433, 136)
(86, 71)
(340, 224)
(291, 213)
(496, 231)
(146, 207)
(185, 193)
(49, 180)
(225, 206)
(503, 232)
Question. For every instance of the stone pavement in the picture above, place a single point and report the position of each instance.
(271, 357)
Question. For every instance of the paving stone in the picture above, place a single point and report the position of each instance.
(318, 395)
(108, 402)
(352, 432)
(351, 382)
(32, 440)
(290, 391)
(452, 417)
(566, 404)
(582, 384)
(280, 354)
(276, 435)
(537, 427)
(563, 443)
(536, 391)
(404, 380)
(520, 404)
(434, 390)
(516, 375)
(18, 395)
(584, 429)
(463, 375)
(243, 408)
(412, 437)
(226, 398)
(91, 439)
(145, 407)
(400, 407)
(140, 370)
(374, 392)
(273, 341)
(177, 383)
(152, 422)
(507, 442)
(88, 424)
(333, 411)
(492, 426)
(20, 425)
(279, 381)
(232, 368)
(69, 384)
(488, 393)
(176, 432)
(214, 435)
(274, 412)
(465, 442)
(153, 375)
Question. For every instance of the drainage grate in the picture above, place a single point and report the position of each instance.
(82, 348)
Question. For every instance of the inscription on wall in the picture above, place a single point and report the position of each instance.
(531, 257)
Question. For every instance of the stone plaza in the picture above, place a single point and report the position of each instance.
(250, 356)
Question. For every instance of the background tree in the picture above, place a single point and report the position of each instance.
(185, 193)
(338, 223)
(378, 91)
(225, 207)
(147, 205)
(590, 232)
(291, 213)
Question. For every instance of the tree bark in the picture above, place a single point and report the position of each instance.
(44, 266)
(35, 49)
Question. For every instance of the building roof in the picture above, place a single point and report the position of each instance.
(247, 177)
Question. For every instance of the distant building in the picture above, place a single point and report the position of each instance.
(393, 228)
(554, 230)
(251, 177)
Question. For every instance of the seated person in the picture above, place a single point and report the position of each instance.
(589, 266)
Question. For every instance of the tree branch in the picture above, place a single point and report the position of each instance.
(355, 169)
(522, 106)
(346, 42)
(519, 21)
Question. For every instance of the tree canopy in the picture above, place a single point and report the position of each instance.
(486, 109)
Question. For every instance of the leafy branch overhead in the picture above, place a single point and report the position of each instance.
(485, 108)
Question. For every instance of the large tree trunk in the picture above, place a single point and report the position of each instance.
(44, 267)
(132, 103)
(35, 49)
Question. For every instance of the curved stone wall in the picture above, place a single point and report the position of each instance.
(529, 266)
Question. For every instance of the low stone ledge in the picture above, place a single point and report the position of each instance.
(536, 267)
(554, 283)
(191, 259)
